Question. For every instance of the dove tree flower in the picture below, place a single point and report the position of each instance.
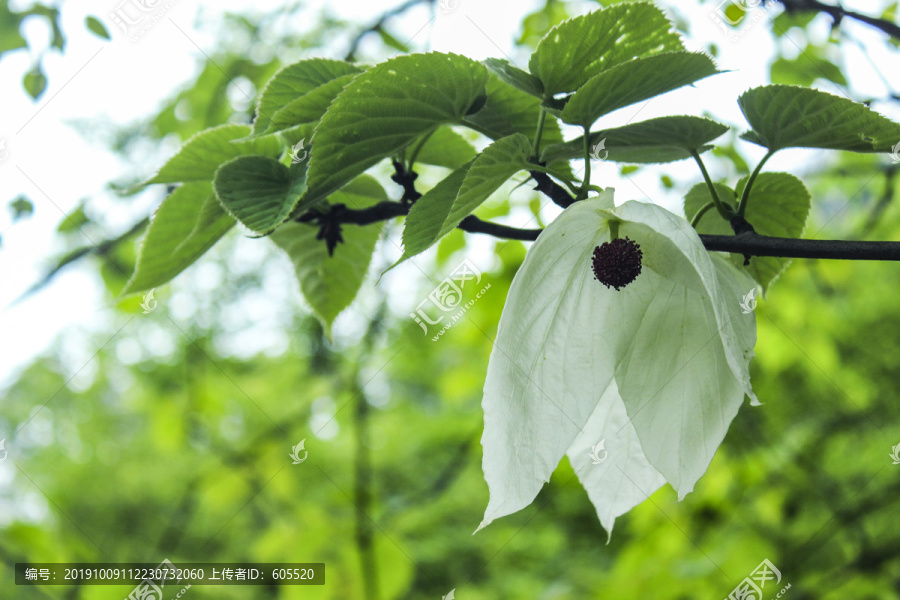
(658, 367)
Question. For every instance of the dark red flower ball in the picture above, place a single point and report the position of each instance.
(617, 263)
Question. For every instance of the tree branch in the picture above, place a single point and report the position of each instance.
(748, 243)
(379, 25)
(551, 189)
(753, 244)
(339, 214)
(100, 249)
(837, 13)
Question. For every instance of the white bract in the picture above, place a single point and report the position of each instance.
(658, 368)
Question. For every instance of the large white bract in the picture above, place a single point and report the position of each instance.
(657, 369)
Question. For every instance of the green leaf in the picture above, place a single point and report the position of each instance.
(259, 191)
(310, 107)
(509, 110)
(711, 222)
(10, 38)
(440, 210)
(805, 69)
(392, 42)
(633, 81)
(296, 80)
(426, 218)
(189, 221)
(515, 76)
(385, 109)
(330, 284)
(786, 20)
(660, 140)
(203, 153)
(778, 206)
(96, 27)
(577, 49)
(784, 116)
(21, 207)
(446, 148)
(35, 82)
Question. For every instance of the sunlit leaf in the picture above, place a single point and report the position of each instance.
(440, 210)
(189, 221)
(632, 81)
(579, 48)
(387, 108)
(294, 81)
(330, 283)
(258, 191)
(202, 154)
(784, 116)
(778, 206)
(660, 140)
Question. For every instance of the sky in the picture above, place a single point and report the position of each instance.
(107, 84)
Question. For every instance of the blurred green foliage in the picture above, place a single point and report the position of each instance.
(167, 443)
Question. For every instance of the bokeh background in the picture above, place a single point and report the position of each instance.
(138, 437)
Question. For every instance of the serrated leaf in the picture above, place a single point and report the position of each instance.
(96, 27)
(296, 80)
(784, 116)
(660, 140)
(258, 191)
(310, 107)
(509, 110)
(579, 48)
(632, 81)
(778, 206)
(674, 342)
(446, 148)
(187, 223)
(330, 284)
(515, 76)
(203, 153)
(387, 108)
(426, 218)
(432, 218)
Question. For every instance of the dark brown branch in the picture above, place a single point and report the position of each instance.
(379, 25)
(551, 189)
(339, 214)
(101, 249)
(754, 244)
(837, 13)
(748, 244)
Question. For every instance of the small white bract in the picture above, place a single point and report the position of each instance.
(658, 368)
